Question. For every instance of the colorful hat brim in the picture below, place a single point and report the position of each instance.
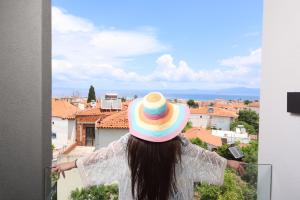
(157, 132)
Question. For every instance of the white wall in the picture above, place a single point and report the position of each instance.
(221, 122)
(65, 132)
(107, 135)
(202, 120)
(279, 130)
(199, 120)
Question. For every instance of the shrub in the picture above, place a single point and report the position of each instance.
(100, 192)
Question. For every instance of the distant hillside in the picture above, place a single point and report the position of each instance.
(241, 91)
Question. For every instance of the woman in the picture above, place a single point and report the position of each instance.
(153, 161)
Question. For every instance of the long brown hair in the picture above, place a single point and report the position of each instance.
(152, 168)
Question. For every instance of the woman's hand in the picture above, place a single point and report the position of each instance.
(62, 167)
(237, 166)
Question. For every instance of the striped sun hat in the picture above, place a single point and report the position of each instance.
(154, 119)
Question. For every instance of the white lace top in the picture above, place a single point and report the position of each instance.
(109, 165)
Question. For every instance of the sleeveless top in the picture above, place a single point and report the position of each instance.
(109, 165)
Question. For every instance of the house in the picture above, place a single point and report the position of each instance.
(204, 135)
(63, 123)
(85, 125)
(215, 117)
(254, 106)
(239, 135)
(111, 128)
(89, 120)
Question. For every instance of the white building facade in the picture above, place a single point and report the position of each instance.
(63, 132)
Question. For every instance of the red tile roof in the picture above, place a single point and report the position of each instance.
(204, 135)
(63, 109)
(90, 112)
(254, 105)
(116, 120)
(215, 112)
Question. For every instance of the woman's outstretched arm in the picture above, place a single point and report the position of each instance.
(62, 167)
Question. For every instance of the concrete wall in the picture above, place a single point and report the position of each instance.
(199, 120)
(25, 88)
(204, 121)
(71, 131)
(222, 123)
(279, 130)
(105, 136)
(65, 132)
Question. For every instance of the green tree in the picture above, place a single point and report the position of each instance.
(199, 142)
(247, 102)
(250, 129)
(123, 99)
(250, 117)
(233, 188)
(187, 126)
(92, 94)
(224, 152)
(192, 104)
(250, 156)
(100, 192)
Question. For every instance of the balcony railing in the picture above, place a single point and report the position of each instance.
(254, 184)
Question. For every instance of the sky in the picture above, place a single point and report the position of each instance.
(166, 44)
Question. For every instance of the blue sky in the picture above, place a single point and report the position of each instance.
(204, 44)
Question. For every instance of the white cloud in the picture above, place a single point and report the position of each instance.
(84, 52)
(126, 43)
(253, 59)
(64, 22)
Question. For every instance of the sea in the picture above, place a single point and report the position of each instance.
(182, 94)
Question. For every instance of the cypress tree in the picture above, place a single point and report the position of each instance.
(92, 95)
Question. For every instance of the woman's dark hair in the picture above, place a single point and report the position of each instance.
(152, 168)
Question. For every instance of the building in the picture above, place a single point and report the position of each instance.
(204, 135)
(63, 123)
(254, 106)
(239, 135)
(85, 125)
(206, 117)
(89, 126)
(111, 128)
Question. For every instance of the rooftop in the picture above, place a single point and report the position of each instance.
(63, 109)
(214, 111)
(204, 135)
(115, 120)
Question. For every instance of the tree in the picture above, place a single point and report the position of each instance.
(123, 99)
(92, 94)
(250, 117)
(233, 189)
(250, 129)
(187, 126)
(250, 156)
(100, 192)
(199, 142)
(192, 103)
(224, 152)
(247, 102)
